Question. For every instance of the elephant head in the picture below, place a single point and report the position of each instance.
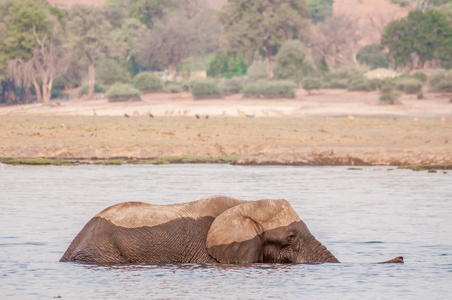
(264, 231)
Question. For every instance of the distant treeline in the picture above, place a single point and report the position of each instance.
(46, 51)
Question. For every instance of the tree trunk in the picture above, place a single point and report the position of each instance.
(37, 90)
(91, 80)
(269, 61)
(10, 95)
(45, 88)
(172, 71)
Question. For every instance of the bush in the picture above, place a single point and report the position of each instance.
(122, 92)
(420, 76)
(226, 65)
(362, 84)
(110, 71)
(311, 84)
(373, 56)
(270, 89)
(443, 86)
(173, 88)
(205, 90)
(294, 61)
(232, 86)
(258, 70)
(387, 86)
(97, 89)
(342, 77)
(147, 82)
(335, 84)
(441, 81)
(388, 93)
(408, 85)
(389, 97)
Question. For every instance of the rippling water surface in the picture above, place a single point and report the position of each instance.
(362, 216)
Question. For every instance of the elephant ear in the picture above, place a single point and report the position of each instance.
(236, 235)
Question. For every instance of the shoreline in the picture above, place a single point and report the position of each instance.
(241, 141)
(44, 161)
(330, 127)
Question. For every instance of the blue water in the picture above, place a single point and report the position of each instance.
(362, 216)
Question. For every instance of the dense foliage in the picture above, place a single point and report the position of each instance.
(373, 56)
(122, 92)
(426, 36)
(269, 89)
(262, 26)
(205, 89)
(294, 61)
(147, 82)
(45, 50)
(226, 65)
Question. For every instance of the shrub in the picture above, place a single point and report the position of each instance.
(311, 84)
(97, 89)
(341, 78)
(388, 94)
(294, 61)
(147, 82)
(361, 84)
(226, 65)
(420, 76)
(443, 86)
(205, 90)
(408, 85)
(270, 89)
(387, 86)
(335, 84)
(373, 56)
(110, 71)
(173, 88)
(122, 92)
(232, 86)
(258, 70)
(441, 81)
(389, 97)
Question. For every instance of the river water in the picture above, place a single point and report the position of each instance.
(362, 216)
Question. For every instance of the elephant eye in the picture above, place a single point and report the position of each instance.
(290, 238)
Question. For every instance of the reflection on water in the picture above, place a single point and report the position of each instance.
(362, 216)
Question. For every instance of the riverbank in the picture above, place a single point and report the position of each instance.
(172, 139)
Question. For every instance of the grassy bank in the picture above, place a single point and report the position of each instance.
(294, 141)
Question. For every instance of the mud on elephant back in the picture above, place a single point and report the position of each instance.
(218, 229)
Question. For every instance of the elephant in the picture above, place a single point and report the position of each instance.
(218, 229)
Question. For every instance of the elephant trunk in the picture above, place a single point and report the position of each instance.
(317, 253)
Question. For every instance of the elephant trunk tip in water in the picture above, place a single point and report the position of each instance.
(396, 260)
(216, 229)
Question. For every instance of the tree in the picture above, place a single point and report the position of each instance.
(422, 5)
(29, 46)
(175, 39)
(250, 26)
(46, 64)
(420, 36)
(294, 61)
(150, 11)
(167, 44)
(226, 65)
(336, 40)
(373, 56)
(319, 10)
(88, 30)
(126, 38)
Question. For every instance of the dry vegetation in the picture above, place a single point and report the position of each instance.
(314, 141)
